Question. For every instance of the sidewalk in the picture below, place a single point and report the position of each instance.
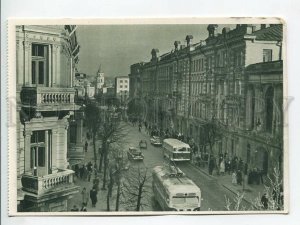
(102, 194)
(251, 192)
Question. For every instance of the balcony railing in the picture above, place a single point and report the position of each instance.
(45, 98)
(44, 184)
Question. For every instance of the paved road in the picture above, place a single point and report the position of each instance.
(213, 193)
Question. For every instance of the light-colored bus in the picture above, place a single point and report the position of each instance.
(176, 150)
(174, 191)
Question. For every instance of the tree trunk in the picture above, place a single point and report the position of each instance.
(118, 196)
(105, 170)
(107, 201)
(100, 162)
(94, 145)
(139, 198)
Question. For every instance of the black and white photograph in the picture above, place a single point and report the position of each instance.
(137, 117)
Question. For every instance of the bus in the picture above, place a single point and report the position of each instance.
(174, 191)
(176, 150)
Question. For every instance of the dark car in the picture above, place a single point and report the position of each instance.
(156, 141)
(135, 154)
(143, 144)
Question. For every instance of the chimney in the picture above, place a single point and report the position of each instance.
(154, 54)
(189, 39)
(212, 30)
(176, 43)
(225, 30)
(250, 28)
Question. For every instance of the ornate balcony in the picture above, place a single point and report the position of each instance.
(48, 183)
(48, 98)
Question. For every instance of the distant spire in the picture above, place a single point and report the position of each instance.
(99, 70)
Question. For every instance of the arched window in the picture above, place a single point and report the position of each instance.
(269, 109)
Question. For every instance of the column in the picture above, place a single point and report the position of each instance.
(54, 149)
(27, 151)
(50, 75)
(27, 61)
(46, 152)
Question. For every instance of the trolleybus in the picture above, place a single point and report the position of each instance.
(176, 150)
(174, 191)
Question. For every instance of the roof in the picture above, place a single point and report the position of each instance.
(272, 33)
(175, 184)
(265, 67)
(173, 141)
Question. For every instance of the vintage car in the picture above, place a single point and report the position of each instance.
(135, 154)
(156, 141)
(143, 144)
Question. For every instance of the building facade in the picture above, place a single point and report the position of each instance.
(46, 58)
(215, 81)
(122, 89)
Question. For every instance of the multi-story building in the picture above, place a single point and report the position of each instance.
(46, 57)
(122, 89)
(212, 81)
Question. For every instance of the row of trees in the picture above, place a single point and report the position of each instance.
(131, 184)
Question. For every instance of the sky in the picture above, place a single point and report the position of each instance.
(116, 47)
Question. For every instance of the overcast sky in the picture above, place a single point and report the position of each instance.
(117, 47)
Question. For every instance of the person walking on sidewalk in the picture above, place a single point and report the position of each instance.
(211, 165)
(222, 167)
(233, 178)
(93, 196)
(265, 201)
(85, 197)
(239, 177)
(86, 146)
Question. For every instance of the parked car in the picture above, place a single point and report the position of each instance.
(135, 154)
(156, 141)
(143, 144)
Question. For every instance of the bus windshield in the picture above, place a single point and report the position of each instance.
(185, 201)
(183, 149)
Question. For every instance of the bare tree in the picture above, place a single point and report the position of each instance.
(111, 133)
(213, 132)
(92, 118)
(137, 188)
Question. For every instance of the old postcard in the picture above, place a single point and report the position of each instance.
(147, 116)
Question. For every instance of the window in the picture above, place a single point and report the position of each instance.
(37, 156)
(126, 81)
(267, 55)
(39, 65)
(125, 86)
(121, 81)
(121, 86)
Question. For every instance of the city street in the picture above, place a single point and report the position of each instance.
(213, 194)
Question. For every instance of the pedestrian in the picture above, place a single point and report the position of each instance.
(239, 177)
(211, 165)
(76, 170)
(86, 146)
(264, 201)
(93, 196)
(233, 178)
(75, 208)
(85, 197)
(83, 208)
(81, 171)
(222, 167)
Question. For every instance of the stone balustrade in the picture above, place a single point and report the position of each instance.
(44, 184)
(45, 98)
